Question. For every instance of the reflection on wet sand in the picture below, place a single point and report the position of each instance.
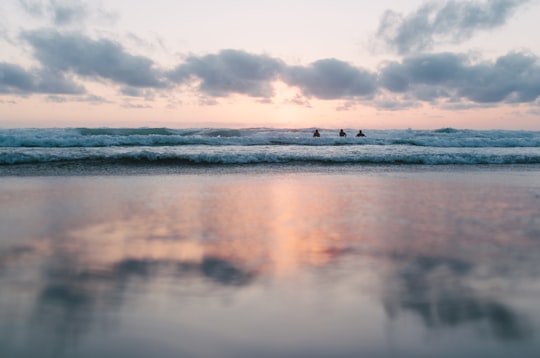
(435, 289)
(106, 254)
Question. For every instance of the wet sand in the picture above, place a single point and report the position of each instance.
(318, 262)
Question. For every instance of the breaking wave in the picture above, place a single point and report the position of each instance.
(220, 146)
(109, 137)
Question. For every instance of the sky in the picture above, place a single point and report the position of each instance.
(383, 64)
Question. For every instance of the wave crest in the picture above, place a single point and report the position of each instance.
(132, 137)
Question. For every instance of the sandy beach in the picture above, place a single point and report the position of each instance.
(352, 261)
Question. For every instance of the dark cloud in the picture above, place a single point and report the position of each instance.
(148, 94)
(442, 79)
(233, 71)
(230, 71)
(53, 81)
(514, 77)
(331, 79)
(16, 80)
(450, 21)
(97, 59)
(434, 69)
(132, 92)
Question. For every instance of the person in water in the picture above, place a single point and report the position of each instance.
(342, 133)
(360, 134)
(316, 133)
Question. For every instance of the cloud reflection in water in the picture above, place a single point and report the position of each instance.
(253, 262)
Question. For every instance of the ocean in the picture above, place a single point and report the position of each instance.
(159, 242)
(221, 146)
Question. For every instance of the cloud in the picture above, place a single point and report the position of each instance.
(51, 81)
(91, 99)
(230, 71)
(96, 59)
(299, 100)
(147, 94)
(447, 22)
(433, 69)
(234, 71)
(331, 79)
(132, 92)
(513, 78)
(16, 80)
(66, 13)
(534, 111)
(33, 7)
(130, 105)
(59, 13)
(441, 79)
(394, 104)
(207, 101)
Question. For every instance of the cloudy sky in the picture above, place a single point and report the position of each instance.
(277, 63)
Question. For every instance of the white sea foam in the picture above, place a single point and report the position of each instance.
(262, 145)
(106, 137)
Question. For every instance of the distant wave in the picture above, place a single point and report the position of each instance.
(294, 154)
(123, 131)
(446, 130)
(133, 137)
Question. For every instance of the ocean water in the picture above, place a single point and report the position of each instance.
(219, 146)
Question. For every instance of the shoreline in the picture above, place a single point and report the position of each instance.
(104, 169)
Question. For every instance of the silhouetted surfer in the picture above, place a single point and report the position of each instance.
(360, 134)
(316, 133)
(342, 133)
